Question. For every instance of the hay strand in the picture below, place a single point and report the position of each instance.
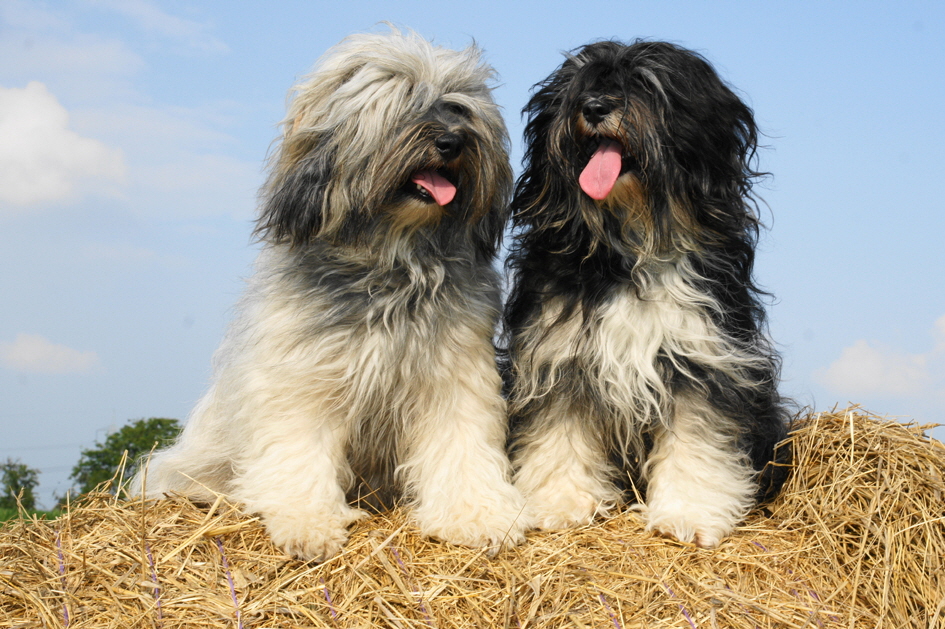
(856, 539)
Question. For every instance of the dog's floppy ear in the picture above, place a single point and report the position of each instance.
(491, 228)
(294, 206)
(487, 234)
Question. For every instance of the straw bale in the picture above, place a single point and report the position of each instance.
(856, 539)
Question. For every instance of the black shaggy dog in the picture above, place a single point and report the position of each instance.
(636, 335)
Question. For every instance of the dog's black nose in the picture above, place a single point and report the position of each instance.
(450, 145)
(595, 110)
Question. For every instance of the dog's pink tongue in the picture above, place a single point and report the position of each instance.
(439, 188)
(599, 176)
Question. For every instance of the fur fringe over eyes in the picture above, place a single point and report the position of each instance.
(366, 119)
(361, 368)
(635, 330)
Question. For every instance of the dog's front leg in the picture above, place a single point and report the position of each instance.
(456, 472)
(699, 484)
(561, 470)
(294, 481)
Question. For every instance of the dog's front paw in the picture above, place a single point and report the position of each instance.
(494, 523)
(552, 508)
(689, 525)
(312, 536)
(696, 514)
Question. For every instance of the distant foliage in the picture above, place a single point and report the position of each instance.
(16, 477)
(138, 438)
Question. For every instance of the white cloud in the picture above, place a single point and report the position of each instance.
(188, 170)
(152, 19)
(165, 161)
(29, 15)
(864, 369)
(32, 353)
(28, 54)
(869, 369)
(39, 43)
(41, 158)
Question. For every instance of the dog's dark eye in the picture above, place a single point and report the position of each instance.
(456, 109)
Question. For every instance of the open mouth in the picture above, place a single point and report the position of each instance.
(432, 186)
(603, 168)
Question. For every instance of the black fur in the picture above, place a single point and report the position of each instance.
(293, 211)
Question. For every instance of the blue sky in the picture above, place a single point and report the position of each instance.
(133, 135)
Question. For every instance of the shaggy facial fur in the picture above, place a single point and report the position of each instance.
(361, 362)
(634, 328)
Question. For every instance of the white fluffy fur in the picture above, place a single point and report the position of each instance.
(699, 485)
(304, 380)
(563, 477)
(271, 431)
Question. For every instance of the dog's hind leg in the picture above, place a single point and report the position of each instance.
(198, 465)
(699, 485)
(562, 470)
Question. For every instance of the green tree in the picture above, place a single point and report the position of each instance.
(16, 477)
(137, 438)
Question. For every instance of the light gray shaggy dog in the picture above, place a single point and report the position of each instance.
(361, 359)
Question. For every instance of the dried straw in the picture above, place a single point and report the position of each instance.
(857, 539)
